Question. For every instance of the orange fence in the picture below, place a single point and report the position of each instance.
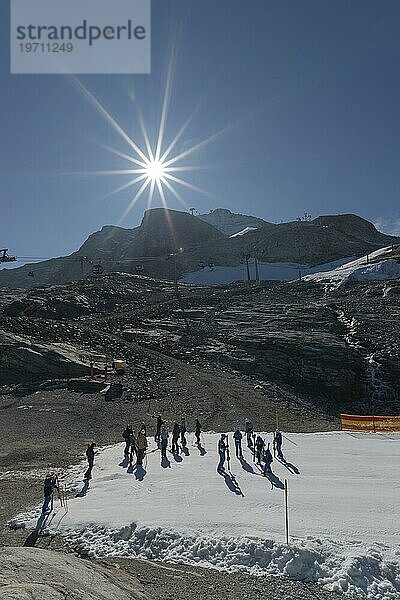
(369, 423)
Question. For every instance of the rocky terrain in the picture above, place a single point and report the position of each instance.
(170, 243)
(297, 350)
(294, 341)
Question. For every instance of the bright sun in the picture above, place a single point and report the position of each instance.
(155, 170)
(154, 167)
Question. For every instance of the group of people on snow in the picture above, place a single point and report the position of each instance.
(261, 449)
(137, 445)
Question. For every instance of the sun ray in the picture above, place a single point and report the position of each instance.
(180, 133)
(134, 200)
(208, 140)
(167, 93)
(167, 214)
(145, 134)
(106, 115)
(190, 118)
(124, 187)
(106, 173)
(151, 193)
(192, 187)
(161, 192)
(185, 168)
(174, 192)
(123, 155)
(197, 146)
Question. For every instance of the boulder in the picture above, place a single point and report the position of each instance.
(34, 574)
(21, 359)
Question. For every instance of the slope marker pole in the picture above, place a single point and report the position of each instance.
(286, 513)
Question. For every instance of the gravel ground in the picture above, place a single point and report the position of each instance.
(167, 582)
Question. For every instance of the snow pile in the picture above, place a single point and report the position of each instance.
(361, 270)
(344, 528)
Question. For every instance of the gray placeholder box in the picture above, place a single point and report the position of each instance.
(80, 36)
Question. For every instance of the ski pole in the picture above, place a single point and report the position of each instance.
(287, 439)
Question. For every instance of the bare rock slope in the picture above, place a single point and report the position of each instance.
(33, 574)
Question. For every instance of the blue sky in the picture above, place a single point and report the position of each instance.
(310, 87)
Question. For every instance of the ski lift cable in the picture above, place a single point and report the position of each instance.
(87, 259)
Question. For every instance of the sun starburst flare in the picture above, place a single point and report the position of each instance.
(154, 168)
(156, 165)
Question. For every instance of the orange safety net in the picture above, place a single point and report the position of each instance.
(369, 423)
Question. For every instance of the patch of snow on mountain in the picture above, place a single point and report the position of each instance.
(361, 269)
(243, 231)
(276, 271)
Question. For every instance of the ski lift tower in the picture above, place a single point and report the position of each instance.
(6, 258)
(175, 255)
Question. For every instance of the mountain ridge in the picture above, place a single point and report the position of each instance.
(154, 247)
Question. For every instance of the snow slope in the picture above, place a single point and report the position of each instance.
(361, 270)
(268, 271)
(344, 496)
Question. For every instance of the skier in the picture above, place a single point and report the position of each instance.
(237, 436)
(278, 444)
(248, 427)
(141, 445)
(143, 428)
(259, 447)
(50, 484)
(222, 452)
(268, 461)
(183, 430)
(197, 432)
(164, 441)
(90, 459)
(126, 434)
(158, 429)
(175, 436)
(132, 446)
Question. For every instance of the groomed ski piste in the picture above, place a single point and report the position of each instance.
(344, 502)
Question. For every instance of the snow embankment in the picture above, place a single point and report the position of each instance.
(362, 269)
(343, 511)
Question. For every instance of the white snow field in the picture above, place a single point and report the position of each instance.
(277, 271)
(360, 270)
(344, 506)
